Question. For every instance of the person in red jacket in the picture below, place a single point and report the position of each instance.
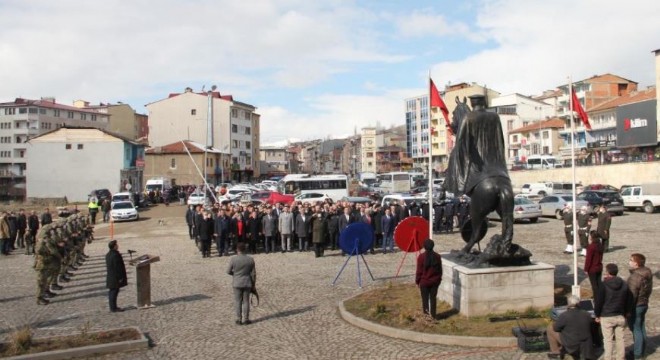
(429, 276)
(593, 262)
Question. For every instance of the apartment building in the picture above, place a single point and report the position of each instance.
(23, 119)
(125, 121)
(234, 130)
(537, 138)
(183, 162)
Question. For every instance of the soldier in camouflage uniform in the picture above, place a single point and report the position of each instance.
(47, 260)
(61, 235)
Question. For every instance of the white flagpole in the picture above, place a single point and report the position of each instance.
(430, 187)
(576, 287)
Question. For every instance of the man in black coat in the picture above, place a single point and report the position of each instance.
(221, 232)
(253, 231)
(190, 221)
(116, 274)
(571, 332)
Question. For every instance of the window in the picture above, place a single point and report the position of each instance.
(246, 115)
(515, 138)
(83, 116)
(21, 153)
(22, 110)
(42, 111)
(234, 128)
(234, 113)
(70, 115)
(546, 135)
(193, 111)
(80, 146)
(33, 110)
(93, 117)
(247, 144)
(247, 130)
(173, 163)
(370, 154)
(18, 139)
(10, 111)
(67, 146)
(248, 159)
(56, 113)
(234, 144)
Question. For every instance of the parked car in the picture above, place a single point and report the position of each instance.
(122, 196)
(101, 194)
(600, 187)
(646, 196)
(595, 198)
(196, 198)
(553, 205)
(356, 199)
(547, 188)
(124, 211)
(523, 209)
(312, 198)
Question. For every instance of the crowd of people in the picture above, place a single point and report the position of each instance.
(304, 226)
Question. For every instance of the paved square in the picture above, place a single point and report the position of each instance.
(297, 318)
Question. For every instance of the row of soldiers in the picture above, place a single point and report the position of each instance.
(60, 249)
(583, 218)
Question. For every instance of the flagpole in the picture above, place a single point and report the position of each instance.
(576, 287)
(430, 187)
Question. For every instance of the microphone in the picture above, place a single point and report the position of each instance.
(131, 252)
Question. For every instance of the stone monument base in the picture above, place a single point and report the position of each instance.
(495, 290)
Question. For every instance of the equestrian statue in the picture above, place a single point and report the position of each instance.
(477, 168)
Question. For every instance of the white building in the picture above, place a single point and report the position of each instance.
(72, 162)
(235, 130)
(22, 119)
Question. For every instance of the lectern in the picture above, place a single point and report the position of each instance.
(143, 279)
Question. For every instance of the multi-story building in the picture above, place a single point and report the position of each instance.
(350, 156)
(608, 121)
(518, 111)
(234, 130)
(590, 92)
(123, 119)
(418, 121)
(538, 138)
(23, 119)
(280, 160)
(368, 149)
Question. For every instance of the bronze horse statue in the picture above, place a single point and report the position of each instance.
(477, 168)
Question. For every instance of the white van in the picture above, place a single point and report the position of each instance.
(398, 198)
(548, 188)
(542, 162)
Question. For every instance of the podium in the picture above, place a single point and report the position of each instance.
(143, 279)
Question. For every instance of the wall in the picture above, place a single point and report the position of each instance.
(76, 172)
(615, 174)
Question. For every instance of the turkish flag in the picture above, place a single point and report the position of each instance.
(577, 107)
(436, 101)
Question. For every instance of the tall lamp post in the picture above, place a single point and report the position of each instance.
(209, 137)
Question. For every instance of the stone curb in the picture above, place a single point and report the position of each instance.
(468, 341)
(130, 345)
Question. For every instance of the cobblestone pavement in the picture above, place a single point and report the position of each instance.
(297, 318)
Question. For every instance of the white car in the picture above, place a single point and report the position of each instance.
(122, 196)
(312, 198)
(196, 199)
(124, 211)
(523, 208)
(553, 205)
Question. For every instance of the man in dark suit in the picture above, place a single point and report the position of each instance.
(221, 232)
(253, 230)
(302, 225)
(387, 224)
(116, 274)
(244, 278)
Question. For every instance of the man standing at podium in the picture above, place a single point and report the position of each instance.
(116, 277)
(242, 269)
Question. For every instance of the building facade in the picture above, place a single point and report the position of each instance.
(123, 119)
(234, 130)
(369, 146)
(183, 162)
(538, 138)
(23, 119)
(109, 161)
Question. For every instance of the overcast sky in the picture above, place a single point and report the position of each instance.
(316, 68)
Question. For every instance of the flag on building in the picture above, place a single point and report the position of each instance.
(577, 107)
(436, 101)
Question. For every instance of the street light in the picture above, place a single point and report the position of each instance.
(209, 137)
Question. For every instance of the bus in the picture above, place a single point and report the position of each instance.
(335, 186)
(394, 182)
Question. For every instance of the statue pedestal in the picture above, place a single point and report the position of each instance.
(494, 290)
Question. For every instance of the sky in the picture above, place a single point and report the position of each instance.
(316, 69)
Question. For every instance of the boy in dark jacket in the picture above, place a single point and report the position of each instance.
(611, 305)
